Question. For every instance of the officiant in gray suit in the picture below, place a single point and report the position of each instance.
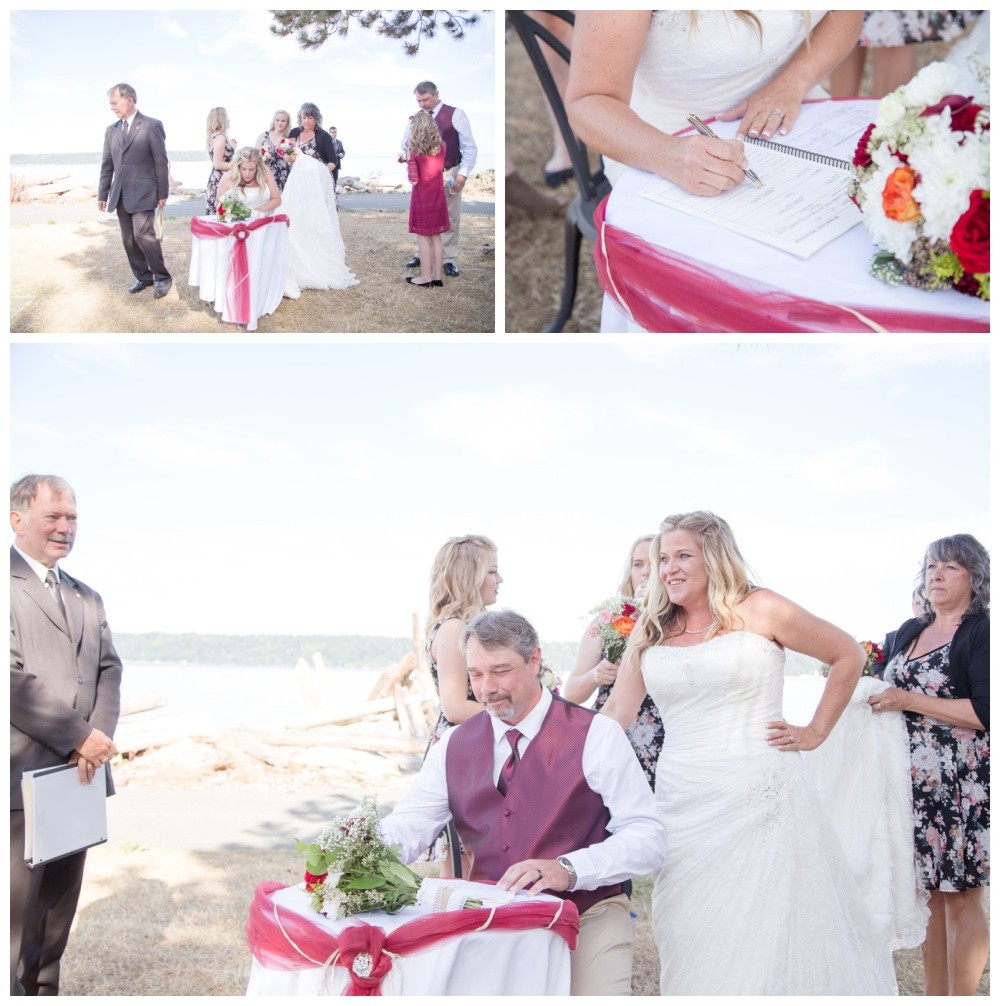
(134, 182)
(64, 700)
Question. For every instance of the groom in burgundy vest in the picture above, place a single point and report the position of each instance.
(546, 796)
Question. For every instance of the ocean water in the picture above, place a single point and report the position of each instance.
(227, 697)
(190, 170)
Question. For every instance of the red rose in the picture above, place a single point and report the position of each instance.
(222, 210)
(861, 156)
(970, 237)
(963, 112)
(314, 880)
(628, 609)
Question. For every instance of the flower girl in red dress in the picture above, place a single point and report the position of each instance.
(428, 209)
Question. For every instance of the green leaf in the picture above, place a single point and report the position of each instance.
(362, 883)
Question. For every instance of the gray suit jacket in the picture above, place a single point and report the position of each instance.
(134, 169)
(61, 685)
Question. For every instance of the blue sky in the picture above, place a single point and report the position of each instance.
(182, 63)
(306, 488)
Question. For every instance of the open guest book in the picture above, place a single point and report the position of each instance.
(803, 203)
(62, 815)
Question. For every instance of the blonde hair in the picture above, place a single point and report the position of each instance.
(425, 137)
(243, 156)
(625, 588)
(748, 17)
(274, 119)
(458, 572)
(217, 122)
(729, 582)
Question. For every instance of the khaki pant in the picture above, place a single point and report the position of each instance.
(601, 965)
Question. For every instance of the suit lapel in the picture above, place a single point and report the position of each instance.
(23, 578)
(132, 132)
(73, 600)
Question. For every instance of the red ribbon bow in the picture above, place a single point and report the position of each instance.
(238, 273)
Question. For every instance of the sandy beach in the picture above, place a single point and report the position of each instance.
(69, 272)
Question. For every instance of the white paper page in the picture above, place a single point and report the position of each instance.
(803, 204)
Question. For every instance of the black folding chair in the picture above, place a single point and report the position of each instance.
(593, 186)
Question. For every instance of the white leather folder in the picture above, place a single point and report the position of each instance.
(61, 815)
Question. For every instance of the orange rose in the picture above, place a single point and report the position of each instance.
(623, 625)
(897, 197)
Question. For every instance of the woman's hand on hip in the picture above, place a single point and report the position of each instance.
(785, 737)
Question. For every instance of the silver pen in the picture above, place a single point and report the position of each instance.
(706, 130)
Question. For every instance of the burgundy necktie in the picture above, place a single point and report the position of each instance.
(510, 765)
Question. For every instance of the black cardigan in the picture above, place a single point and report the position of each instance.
(968, 659)
(324, 144)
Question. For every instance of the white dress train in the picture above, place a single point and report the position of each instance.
(316, 254)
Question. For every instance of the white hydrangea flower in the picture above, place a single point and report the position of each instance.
(891, 110)
(948, 173)
(931, 84)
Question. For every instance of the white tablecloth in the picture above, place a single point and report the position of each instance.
(837, 273)
(267, 255)
(531, 962)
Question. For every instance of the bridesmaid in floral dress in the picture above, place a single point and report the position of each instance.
(220, 151)
(593, 670)
(268, 142)
(464, 582)
(940, 669)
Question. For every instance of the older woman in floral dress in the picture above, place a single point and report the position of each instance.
(940, 669)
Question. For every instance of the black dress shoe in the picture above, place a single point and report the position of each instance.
(437, 282)
(553, 179)
(140, 284)
(414, 263)
(450, 269)
(162, 287)
(413, 282)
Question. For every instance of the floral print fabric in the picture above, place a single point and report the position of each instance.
(645, 733)
(907, 27)
(950, 770)
(279, 165)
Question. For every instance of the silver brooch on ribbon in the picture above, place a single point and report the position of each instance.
(363, 965)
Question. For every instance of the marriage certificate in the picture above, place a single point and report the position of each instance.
(803, 203)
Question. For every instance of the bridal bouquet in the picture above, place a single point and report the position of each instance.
(614, 620)
(921, 179)
(232, 209)
(873, 656)
(287, 148)
(351, 870)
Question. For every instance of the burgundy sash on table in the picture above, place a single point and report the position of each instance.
(286, 941)
(664, 291)
(238, 272)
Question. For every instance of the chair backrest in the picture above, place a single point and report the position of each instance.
(593, 185)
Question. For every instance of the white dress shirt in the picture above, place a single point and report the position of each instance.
(39, 570)
(467, 149)
(637, 842)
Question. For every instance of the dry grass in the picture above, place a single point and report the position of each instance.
(533, 246)
(175, 920)
(73, 277)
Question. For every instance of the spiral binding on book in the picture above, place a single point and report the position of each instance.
(809, 155)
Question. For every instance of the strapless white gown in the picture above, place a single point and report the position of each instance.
(316, 254)
(757, 895)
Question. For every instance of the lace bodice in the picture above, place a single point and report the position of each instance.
(717, 697)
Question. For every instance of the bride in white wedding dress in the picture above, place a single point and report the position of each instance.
(316, 253)
(757, 895)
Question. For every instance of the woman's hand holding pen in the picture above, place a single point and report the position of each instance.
(704, 165)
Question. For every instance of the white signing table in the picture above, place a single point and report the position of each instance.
(240, 267)
(664, 270)
(518, 949)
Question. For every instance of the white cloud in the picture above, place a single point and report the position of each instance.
(870, 361)
(170, 26)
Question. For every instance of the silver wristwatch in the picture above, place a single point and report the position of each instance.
(568, 867)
